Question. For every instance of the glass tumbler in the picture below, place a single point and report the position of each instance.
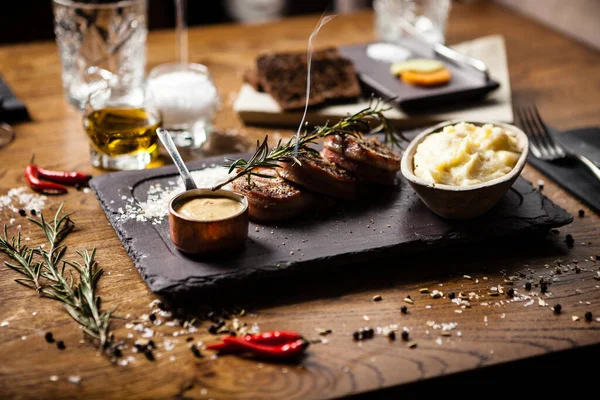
(187, 99)
(429, 17)
(100, 33)
(121, 123)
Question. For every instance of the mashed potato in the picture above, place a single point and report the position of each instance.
(465, 154)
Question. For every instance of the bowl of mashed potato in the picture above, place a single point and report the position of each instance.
(461, 169)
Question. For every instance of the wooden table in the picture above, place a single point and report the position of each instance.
(547, 68)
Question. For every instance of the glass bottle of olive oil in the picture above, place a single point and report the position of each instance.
(123, 131)
(121, 124)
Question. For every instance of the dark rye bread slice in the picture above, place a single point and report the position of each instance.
(283, 76)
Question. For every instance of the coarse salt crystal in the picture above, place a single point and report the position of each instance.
(21, 198)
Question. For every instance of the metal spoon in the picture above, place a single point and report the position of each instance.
(167, 141)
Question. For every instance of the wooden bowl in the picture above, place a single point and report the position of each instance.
(462, 202)
(205, 237)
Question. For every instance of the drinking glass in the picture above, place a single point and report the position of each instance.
(427, 16)
(187, 99)
(101, 33)
(121, 123)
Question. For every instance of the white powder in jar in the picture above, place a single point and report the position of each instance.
(183, 97)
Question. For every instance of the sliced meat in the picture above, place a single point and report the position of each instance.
(368, 151)
(362, 170)
(319, 175)
(272, 199)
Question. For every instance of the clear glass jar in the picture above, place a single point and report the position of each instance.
(187, 99)
(108, 34)
(427, 16)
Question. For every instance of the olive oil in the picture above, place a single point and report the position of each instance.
(123, 131)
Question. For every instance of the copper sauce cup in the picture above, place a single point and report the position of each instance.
(204, 237)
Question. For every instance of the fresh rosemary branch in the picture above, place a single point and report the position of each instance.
(24, 258)
(78, 296)
(289, 151)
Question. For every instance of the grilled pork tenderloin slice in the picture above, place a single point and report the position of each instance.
(368, 151)
(362, 170)
(272, 199)
(320, 176)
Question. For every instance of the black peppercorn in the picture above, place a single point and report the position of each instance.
(510, 292)
(213, 329)
(196, 351)
(33, 212)
(544, 287)
(117, 352)
(22, 212)
(149, 354)
(152, 317)
(356, 335)
(557, 309)
(405, 335)
(61, 345)
(451, 295)
(581, 213)
(588, 316)
(528, 285)
(368, 333)
(49, 337)
(569, 239)
(190, 339)
(403, 309)
(151, 344)
(392, 335)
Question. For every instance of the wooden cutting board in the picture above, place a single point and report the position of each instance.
(387, 222)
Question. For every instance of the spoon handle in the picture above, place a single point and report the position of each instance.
(167, 141)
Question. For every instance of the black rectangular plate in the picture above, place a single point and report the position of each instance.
(466, 84)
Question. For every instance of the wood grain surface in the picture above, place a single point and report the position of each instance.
(546, 68)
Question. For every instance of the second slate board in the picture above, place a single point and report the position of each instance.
(389, 222)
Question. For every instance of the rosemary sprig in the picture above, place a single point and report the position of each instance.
(24, 258)
(289, 151)
(52, 279)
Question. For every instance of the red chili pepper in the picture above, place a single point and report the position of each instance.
(31, 175)
(67, 178)
(285, 351)
(267, 338)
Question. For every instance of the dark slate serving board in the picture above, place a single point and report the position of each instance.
(384, 223)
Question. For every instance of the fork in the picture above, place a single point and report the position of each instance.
(541, 142)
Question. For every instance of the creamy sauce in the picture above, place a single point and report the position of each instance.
(209, 208)
(465, 154)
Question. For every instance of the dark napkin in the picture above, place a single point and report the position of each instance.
(11, 108)
(573, 175)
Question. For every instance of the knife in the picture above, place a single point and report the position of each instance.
(446, 52)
